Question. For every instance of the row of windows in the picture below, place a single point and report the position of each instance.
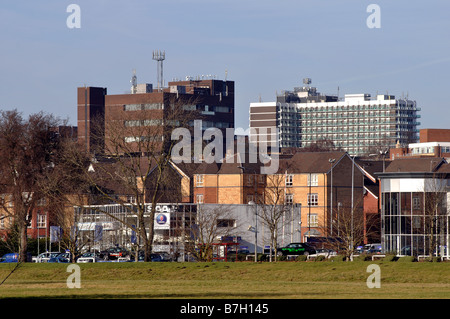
(138, 139)
(312, 180)
(312, 199)
(348, 108)
(143, 106)
(6, 221)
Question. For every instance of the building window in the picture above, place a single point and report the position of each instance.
(250, 180)
(41, 221)
(289, 199)
(313, 180)
(313, 200)
(226, 223)
(131, 199)
(289, 179)
(199, 180)
(416, 203)
(261, 179)
(313, 220)
(199, 198)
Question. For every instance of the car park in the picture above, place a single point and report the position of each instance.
(296, 249)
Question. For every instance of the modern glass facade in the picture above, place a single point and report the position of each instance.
(415, 223)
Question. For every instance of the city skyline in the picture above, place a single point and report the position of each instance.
(264, 47)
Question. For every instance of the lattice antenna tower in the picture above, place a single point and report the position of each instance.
(134, 82)
(159, 56)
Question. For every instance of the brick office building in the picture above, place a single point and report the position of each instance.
(212, 99)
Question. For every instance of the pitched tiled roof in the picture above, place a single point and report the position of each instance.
(415, 164)
(310, 162)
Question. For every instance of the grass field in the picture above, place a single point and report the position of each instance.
(282, 280)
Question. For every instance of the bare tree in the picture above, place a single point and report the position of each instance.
(27, 148)
(135, 168)
(435, 212)
(272, 207)
(351, 228)
(211, 222)
(64, 187)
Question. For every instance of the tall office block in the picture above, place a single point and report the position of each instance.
(356, 123)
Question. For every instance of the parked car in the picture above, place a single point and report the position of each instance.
(45, 257)
(114, 253)
(373, 248)
(296, 249)
(141, 256)
(10, 258)
(325, 252)
(89, 257)
(165, 256)
(60, 258)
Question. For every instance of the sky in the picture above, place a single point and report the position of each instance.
(264, 46)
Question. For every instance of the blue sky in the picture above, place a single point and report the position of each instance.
(265, 47)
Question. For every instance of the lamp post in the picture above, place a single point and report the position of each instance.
(353, 186)
(339, 204)
(299, 206)
(331, 160)
(256, 229)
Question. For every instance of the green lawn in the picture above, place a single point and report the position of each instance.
(282, 280)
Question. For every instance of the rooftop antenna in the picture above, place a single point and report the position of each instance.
(134, 82)
(226, 74)
(159, 56)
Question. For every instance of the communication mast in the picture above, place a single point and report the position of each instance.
(159, 56)
(134, 83)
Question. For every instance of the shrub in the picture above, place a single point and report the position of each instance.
(406, 259)
(262, 257)
(320, 258)
(338, 258)
(301, 258)
(390, 258)
(363, 257)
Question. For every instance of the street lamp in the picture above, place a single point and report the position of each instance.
(339, 204)
(255, 229)
(299, 206)
(353, 186)
(331, 160)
